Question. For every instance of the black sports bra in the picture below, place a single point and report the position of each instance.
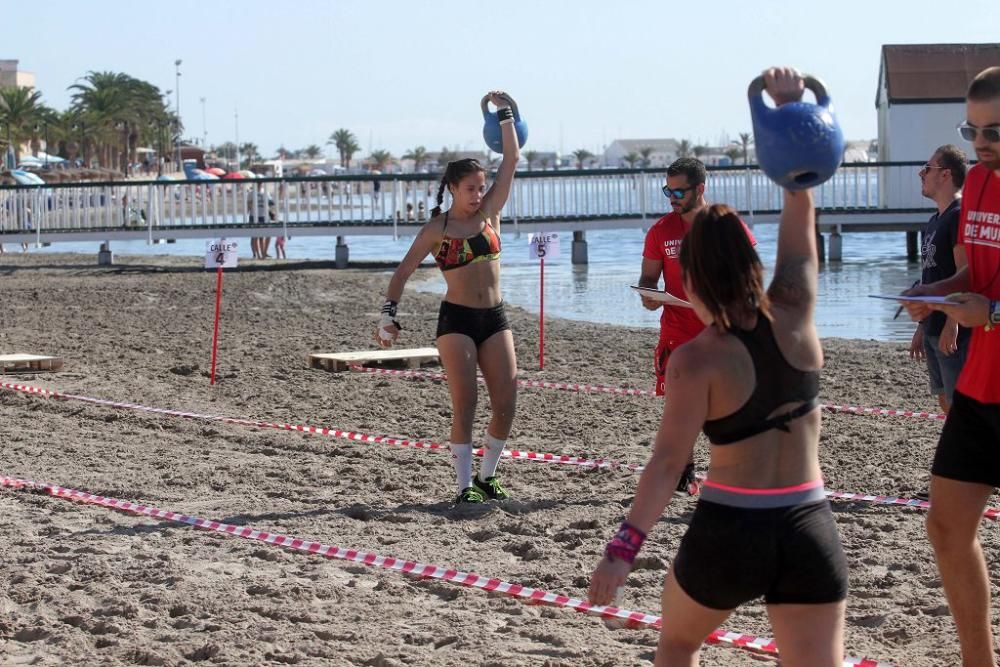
(777, 383)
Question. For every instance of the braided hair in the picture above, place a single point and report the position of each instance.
(453, 174)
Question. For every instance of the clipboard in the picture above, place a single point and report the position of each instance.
(916, 299)
(662, 296)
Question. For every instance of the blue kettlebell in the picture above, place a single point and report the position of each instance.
(799, 145)
(491, 126)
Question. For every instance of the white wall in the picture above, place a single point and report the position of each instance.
(915, 130)
(615, 154)
(911, 132)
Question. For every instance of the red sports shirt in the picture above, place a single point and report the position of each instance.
(979, 232)
(663, 243)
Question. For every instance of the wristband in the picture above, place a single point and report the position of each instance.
(505, 113)
(388, 317)
(626, 544)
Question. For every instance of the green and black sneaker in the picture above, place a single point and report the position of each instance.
(470, 494)
(490, 487)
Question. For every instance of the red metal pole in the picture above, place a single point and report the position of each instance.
(541, 314)
(215, 335)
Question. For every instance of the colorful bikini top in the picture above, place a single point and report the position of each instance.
(778, 382)
(483, 247)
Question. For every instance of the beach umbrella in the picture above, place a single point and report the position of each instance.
(248, 174)
(233, 176)
(165, 177)
(317, 172)
(217, 171)
(26, 177)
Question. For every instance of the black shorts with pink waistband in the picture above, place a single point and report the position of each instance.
(782, 547)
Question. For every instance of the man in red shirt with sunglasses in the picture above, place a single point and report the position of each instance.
(685, 188)
(966, 467)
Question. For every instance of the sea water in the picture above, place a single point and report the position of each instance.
(874, 263)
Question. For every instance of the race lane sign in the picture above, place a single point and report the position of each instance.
(221, 254)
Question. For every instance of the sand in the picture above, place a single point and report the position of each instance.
(85, 585)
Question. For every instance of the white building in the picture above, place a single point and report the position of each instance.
(662, 152)
(920, 101)
(12, 77)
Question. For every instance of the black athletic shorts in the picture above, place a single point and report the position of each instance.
(788, 555)
(476, 323)
(969, 447)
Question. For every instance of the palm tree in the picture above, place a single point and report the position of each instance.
(418, 155)
(699, 150)
(632, 159)
(64, 135)
(445, 156)
(249, 153)
(120, 111)
(46, 128)
(545, 163)
(745, 140)
(645, 152)
(733, 153)
(20, 111)
(530, 157)
(684, 148)
(380, 159)
(582, 156)
(226, 150)
(346, 144)
(312, 151)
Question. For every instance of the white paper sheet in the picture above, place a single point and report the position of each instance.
(662, 296)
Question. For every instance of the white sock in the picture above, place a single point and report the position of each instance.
(492, 451)
(461, 460)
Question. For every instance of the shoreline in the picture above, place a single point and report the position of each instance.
(94, 586)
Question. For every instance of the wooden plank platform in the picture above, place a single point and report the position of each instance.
(339, 361)
(28, 363)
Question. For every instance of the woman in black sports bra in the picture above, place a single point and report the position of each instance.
(762, 527)
(472, 324)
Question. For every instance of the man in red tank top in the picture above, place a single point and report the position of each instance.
(685, 189)
(966, 466)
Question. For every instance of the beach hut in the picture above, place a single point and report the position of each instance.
(920, 100)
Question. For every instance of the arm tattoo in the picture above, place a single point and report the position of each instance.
(792, 283)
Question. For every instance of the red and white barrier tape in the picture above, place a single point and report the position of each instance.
(624, 391)
(469, 579)
(539, 457)
(882, 412)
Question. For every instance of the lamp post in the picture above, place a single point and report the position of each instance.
(44, 128)
(123, 126)
(159, 148)
(177, 108)
(204, 126)
(236, 121)
(79, 128)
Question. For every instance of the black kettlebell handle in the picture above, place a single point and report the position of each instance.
(486, 100)
(757, 86)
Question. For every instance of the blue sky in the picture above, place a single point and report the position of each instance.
(406, 73)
